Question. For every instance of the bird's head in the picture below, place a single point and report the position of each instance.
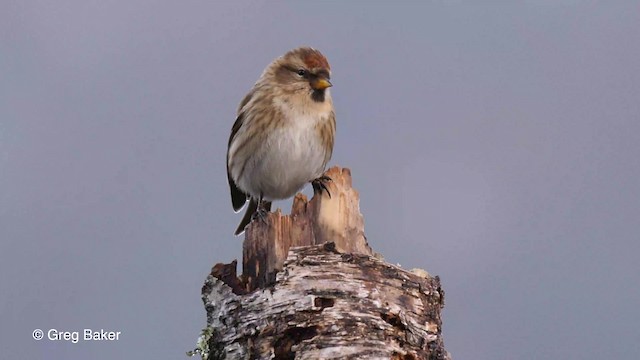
(303, 70)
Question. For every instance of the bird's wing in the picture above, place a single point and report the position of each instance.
(328, 136)
(238, 198)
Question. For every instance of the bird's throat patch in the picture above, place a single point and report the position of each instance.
(318, 95)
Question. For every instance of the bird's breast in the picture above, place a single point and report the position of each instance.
(291, 154)
(294, 155)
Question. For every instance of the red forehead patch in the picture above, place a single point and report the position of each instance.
(314, 59)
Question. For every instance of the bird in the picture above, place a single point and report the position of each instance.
(283, 135)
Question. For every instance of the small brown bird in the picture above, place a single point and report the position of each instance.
(283, 135)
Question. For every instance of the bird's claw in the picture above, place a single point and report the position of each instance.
(260, 215)
(320, 184)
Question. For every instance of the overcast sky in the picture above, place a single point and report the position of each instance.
(494, 145)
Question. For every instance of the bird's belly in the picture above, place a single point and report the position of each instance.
(291, 158)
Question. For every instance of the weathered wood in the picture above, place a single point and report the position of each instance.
(332, 217)
(329, 305)
(312, 288)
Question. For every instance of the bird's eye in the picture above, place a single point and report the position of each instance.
(302, 72)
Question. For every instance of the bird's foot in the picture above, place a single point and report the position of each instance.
(320, 184)
(260, 215)
(262, 211)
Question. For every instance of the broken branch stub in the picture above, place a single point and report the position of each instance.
(333, 217)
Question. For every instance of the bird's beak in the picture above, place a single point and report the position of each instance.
(320, 83)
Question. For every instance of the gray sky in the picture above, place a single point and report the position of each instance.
(497, 146)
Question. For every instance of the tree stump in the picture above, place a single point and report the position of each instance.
(312, 288)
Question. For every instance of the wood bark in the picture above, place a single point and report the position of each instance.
(312, 288)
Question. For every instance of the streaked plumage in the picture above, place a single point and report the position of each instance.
(283, 135)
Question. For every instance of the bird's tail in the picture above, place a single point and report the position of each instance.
(248, 215)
